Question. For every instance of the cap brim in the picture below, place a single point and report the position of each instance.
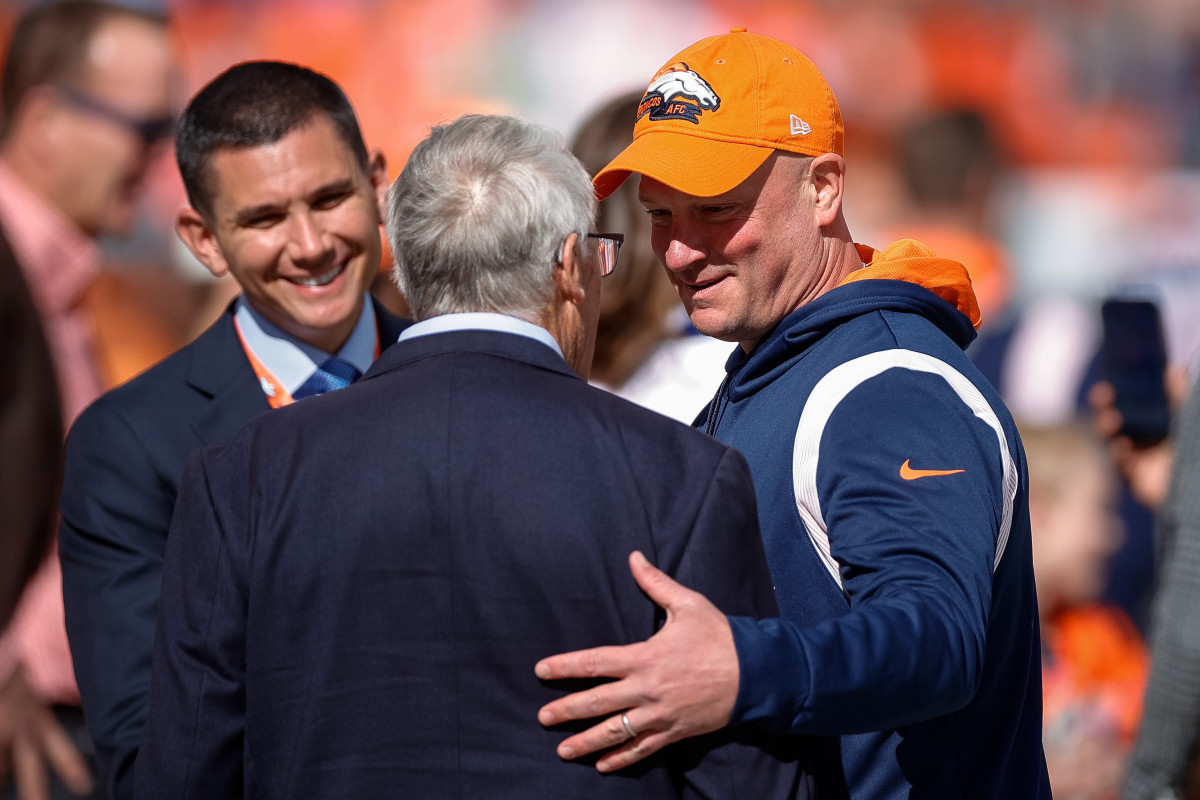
(694, 165)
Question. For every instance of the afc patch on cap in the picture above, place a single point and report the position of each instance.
(677, 92)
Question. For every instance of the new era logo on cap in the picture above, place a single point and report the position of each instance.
(799, 126)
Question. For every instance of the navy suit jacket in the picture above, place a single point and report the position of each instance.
(357, 588)
(124, 460)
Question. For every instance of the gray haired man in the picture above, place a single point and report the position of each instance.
(376, 591)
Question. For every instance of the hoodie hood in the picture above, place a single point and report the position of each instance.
(909, 260)
(906, 276)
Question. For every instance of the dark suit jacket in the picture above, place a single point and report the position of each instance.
(125, 457)
(30, 435)
(357, 588)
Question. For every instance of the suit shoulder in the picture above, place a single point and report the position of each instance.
(146, 389)
(161, 391)
(645, 429)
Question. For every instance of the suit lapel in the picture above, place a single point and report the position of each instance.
(220, 372)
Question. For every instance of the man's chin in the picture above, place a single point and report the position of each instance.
(315, 324)
(711, 324)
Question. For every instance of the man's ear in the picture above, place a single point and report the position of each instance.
(195, 232)
(378, 175)
(828, 175)
(568, 281)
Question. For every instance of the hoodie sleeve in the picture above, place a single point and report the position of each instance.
(904, 481)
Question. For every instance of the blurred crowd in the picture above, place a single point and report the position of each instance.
(1052, 147)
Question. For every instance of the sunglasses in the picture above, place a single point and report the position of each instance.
(149, 130)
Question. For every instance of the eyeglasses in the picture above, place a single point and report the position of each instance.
(150, 130)
(609, 247)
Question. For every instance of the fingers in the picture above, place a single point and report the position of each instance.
(657, 585)
(597, 662)
(633, 751)
(1105, 417)
(612, 733)
(608, 698)
(65, 759)
(609, 733)
(29, 773)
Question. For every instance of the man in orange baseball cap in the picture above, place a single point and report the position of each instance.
(889, 474)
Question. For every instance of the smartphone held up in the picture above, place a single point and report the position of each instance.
(1134, 360)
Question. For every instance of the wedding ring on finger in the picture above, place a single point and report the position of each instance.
(628, 728)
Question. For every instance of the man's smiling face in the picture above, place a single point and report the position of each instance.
(743, 260)
(297, 224)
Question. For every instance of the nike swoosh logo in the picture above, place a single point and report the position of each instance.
(910, 474)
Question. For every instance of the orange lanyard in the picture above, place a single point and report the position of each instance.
(277, 395)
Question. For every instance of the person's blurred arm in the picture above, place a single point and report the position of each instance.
(32, 741)
(30, 441)
(1172, 707)
(1146, 469)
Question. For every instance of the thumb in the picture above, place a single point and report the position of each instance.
(657, 585)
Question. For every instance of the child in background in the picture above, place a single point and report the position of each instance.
(1094, 663)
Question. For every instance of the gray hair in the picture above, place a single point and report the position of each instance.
(478, 217)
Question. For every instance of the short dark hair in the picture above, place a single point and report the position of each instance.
(253, 104)
(49, 44)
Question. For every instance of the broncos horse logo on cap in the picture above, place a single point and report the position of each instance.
(678, 93)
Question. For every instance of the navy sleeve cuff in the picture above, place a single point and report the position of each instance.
(775, 677)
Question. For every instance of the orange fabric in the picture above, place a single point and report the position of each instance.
(912, 261)
(719, 108)
(128, 336)
(277, 396)
(985, 259)
(1095, 656)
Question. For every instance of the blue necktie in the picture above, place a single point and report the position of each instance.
(334, 374)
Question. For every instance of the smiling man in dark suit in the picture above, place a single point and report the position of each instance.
(285, 197)
(356, 611)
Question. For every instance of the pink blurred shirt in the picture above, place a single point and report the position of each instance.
(59, 263)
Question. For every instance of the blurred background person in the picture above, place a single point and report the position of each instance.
(1166, 477)
(86, 102)
(950, 164)
(1094, 662)
(30, 436)
(646, 348)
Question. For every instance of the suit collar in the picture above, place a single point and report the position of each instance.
(219, 370)
(390, 326)
(496, 343)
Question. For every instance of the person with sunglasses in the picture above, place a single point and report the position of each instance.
(378, 569)
(85, 104)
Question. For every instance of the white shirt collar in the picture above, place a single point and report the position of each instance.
(481, 321)
(292, 361)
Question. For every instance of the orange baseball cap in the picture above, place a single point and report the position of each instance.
(717, 110)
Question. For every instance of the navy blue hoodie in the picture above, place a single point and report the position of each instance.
(892, 496)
